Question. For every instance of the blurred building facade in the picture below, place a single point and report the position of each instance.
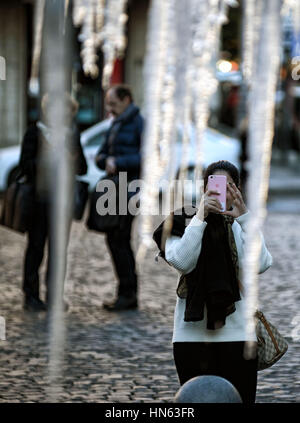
(15, 23)
(18, 108)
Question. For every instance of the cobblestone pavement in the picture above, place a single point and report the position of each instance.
(127, 356)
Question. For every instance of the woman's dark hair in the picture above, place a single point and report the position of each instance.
(222, 165)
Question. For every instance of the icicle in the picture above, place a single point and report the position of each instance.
(67, 2)
(35, 66)
(261, 124)
(56, 156)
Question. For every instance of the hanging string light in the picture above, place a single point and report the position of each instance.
(248, 38)
(162, 73)
(102, 26)
(79, 11)
(100, 12)
(88, 39)
(168, 129)
(205, 41)
(155, 71)
(114, 40)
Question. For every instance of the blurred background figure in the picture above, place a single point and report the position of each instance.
(35, 165)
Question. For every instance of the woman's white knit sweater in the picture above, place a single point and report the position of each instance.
(182, 253)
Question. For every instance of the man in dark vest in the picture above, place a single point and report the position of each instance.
(121, 153)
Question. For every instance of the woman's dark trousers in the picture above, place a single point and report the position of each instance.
(224, 359)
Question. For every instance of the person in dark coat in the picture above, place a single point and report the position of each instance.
(121, 153)
(35, 165)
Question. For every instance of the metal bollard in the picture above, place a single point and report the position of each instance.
(207, 389)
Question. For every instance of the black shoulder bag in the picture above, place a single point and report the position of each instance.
(18, 205)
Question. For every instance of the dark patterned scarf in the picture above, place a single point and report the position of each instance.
(214, 282)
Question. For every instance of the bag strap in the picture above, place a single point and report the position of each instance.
(264, 321)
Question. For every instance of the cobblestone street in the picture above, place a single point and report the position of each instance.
(127, 356)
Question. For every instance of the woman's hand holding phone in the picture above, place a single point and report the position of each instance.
(214, 199)
(219, 196)
(238, 205)
(209, 204)
(218, 183)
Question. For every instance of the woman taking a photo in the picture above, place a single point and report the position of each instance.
(210, 322)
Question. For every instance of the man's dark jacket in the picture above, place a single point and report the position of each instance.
(123, 141)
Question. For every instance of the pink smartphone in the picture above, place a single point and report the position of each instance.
(218, 183)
